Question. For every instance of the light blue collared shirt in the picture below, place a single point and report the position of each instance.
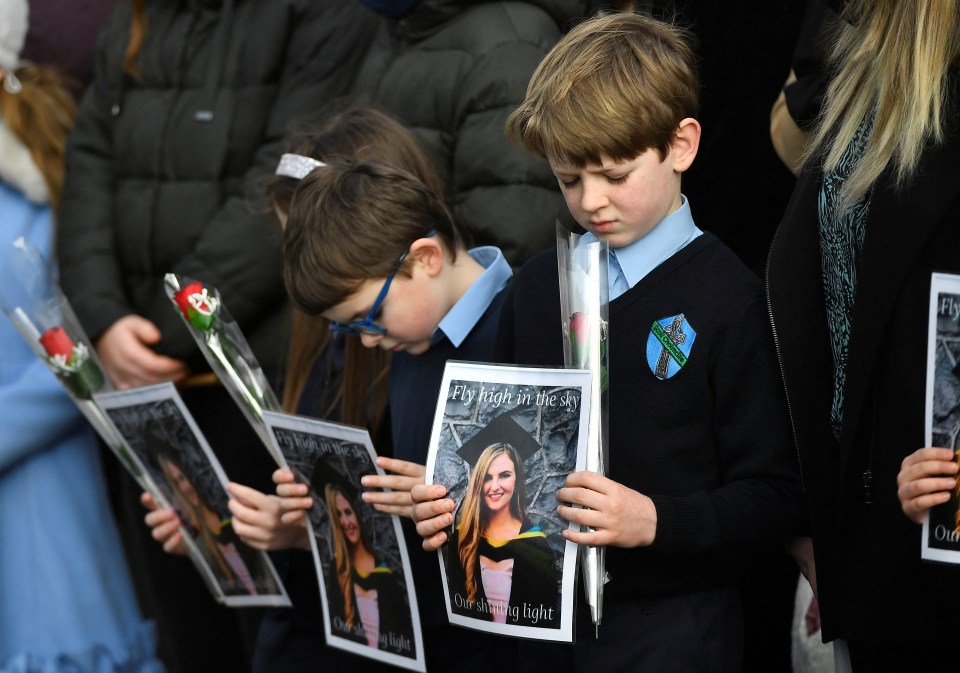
(628, 265)
(468, 310)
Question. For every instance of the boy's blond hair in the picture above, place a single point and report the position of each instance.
(616, 85)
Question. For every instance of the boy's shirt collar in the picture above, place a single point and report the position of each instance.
(636, 260)
(468, 310)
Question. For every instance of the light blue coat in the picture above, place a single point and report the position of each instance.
(66, 600)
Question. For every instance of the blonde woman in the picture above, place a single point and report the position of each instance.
(500, 566)
(875, 212)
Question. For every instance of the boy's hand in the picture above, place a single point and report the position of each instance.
(620, 516)
(433, 514)
(405, 476)
(164, 526)
(294, 497)
(258, 520)
(927, 477)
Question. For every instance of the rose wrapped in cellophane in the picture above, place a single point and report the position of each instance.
(584, 300)
(32, 300)
(225, 348)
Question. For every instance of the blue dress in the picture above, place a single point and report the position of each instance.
(66, 600)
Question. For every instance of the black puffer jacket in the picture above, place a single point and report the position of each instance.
(453, 71)
(160, 169)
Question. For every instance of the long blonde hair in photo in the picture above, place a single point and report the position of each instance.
(474, 515)
(342, 555)
(896, 56)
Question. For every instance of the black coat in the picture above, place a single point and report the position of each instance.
(453, 71)
(161, 169)
(873, 586)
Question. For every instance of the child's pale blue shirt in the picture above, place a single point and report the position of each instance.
(628, 265)
(468, 310)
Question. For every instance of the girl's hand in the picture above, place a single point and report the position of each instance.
(433, 514)
(295, 500)
(620, 516)
(164, 526)
(926, 479)
(258, 520)
(405, 475)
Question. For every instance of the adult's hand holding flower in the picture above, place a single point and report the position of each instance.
(124, 350)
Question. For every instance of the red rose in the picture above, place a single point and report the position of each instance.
(182, 297)
(57, 342)
(579, 331)
(197, 305)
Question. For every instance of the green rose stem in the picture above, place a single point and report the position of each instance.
(84, 380)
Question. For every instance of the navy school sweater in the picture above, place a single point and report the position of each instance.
(710, 445)
(414, 390)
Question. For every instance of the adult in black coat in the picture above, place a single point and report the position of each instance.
(849, 287)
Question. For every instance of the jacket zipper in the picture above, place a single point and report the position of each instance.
(783, 375)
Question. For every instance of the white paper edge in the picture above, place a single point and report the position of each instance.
(509, 374)
(939, 283)
(167, 391)
(349, 433)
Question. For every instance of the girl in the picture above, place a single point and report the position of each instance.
(329, 376)
(67, 601)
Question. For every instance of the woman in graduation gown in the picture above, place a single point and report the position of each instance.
(504, 569)
(365, 599)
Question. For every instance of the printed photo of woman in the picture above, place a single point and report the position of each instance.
(238, 569)
(364, 595)
(500, 566)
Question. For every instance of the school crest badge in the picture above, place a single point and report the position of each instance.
(668, 345)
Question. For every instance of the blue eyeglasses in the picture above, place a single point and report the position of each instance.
(367, 326)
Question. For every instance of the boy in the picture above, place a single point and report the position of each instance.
(699, 461)
(375, 251)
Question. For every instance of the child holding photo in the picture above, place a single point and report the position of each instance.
(329, 376)
(700, 459)
(466, 289)
(375, 251)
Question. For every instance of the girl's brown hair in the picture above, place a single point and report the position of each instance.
(41, 115)
(138, 32)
